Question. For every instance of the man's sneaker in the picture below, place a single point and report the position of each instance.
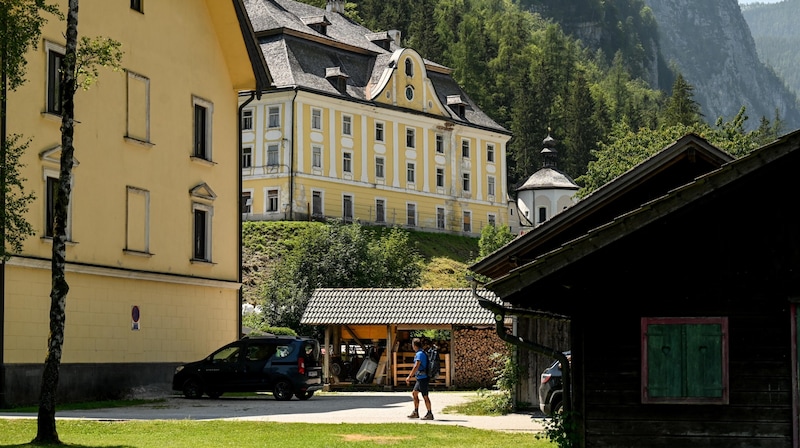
(414, 414)
(428, 416)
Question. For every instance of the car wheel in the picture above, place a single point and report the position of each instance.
(304, 395)
(192, 388)
(557, 408)
(214, 394)
(282, 391)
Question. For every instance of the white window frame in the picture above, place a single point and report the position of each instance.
(53, 102)
(441, 218)
(411, 172)
(411, 214)
(247, 201)
(321, 195)
(380, 210)
(316, 119)
(492, 219)
(247, 119)
(439, 177)
(380, 167)
(49, 205)
(316, 157)
(273, 154)
(347, 162)
(465, 148)
(347, 125)
(380, 131)
(208, 237)
(439, 144)
(348, 207)
(272, 200)
(209, 117)
(465, 182)
(491, 187)
(467, 221)
(411, 137)
(247, 157)
(490, 152)
(273, 117)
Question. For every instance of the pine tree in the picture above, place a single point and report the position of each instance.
(681, 107)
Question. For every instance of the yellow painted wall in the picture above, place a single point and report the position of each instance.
(297, 139)
(180, 48)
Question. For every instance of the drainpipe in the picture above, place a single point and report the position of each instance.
(239, 210)
(499, 319)
(291, 159)
(3, 131)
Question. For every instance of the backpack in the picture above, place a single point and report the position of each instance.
(432, 369)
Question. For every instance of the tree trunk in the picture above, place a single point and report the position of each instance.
(46, 432)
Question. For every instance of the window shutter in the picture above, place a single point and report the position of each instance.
(664, 359)
(704, 360)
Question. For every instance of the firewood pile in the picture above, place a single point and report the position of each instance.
(473, 363)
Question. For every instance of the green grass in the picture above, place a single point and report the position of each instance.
(199, 434)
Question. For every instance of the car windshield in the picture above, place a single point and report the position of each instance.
(227, 354)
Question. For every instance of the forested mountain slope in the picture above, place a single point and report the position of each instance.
(777, 36)
(710, 43)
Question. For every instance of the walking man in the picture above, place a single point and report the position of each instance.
(421, 386)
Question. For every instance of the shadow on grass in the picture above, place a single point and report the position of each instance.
(63, 445)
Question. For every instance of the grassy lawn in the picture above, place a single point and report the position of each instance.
(199, 434)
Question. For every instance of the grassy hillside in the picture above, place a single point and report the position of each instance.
(446, 256)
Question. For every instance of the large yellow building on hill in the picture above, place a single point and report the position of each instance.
(153, 258)
(359, 128)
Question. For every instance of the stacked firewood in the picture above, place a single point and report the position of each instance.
(472, 356)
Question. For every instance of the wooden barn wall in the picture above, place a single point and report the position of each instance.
(547, 332)
(702, 261)
(472, 351)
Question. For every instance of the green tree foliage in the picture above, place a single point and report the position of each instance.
(21, 24)
(681, 108)
(336, 256)
(493, 238)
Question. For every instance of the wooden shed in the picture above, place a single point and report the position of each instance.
(684, 322)
(365, 326)
(679, 163)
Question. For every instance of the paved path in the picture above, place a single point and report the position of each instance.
(328, 407)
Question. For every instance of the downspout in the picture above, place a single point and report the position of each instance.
(291, 159)
(499, 319)
(239, 210)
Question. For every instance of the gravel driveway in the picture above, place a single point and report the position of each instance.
(326, 407)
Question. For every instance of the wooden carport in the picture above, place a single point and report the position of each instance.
(378, 322)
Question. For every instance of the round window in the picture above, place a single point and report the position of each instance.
(409, 93)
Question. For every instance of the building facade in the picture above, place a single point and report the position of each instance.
(153, 259)
(359, 128)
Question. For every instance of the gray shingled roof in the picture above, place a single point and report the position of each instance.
(547, 178)
(300, 60)
(396, 306)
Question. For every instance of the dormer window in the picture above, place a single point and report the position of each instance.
(317, 23)
(382, 40)
(409, 67)
(337, 78)
(458, 105)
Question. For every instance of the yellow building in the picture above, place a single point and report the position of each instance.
(359, 128)
(153, 248)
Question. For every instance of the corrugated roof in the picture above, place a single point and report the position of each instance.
(385, 306)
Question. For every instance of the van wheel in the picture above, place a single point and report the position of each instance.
(304, 395)
(282, 391)
(557, 407)
(192, 388)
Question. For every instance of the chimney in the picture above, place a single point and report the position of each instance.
(395, 35)
(335, 6)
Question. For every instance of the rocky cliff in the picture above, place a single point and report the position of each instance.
(710, 43)
(777, 36)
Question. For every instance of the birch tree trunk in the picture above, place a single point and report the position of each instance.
(46, 429)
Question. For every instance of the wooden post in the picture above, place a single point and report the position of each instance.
(326, 367)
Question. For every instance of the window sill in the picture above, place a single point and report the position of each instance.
(49, 239)
(51, 116)
(202, 161)
(137, 253)
(201, 262)
(139, 142)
